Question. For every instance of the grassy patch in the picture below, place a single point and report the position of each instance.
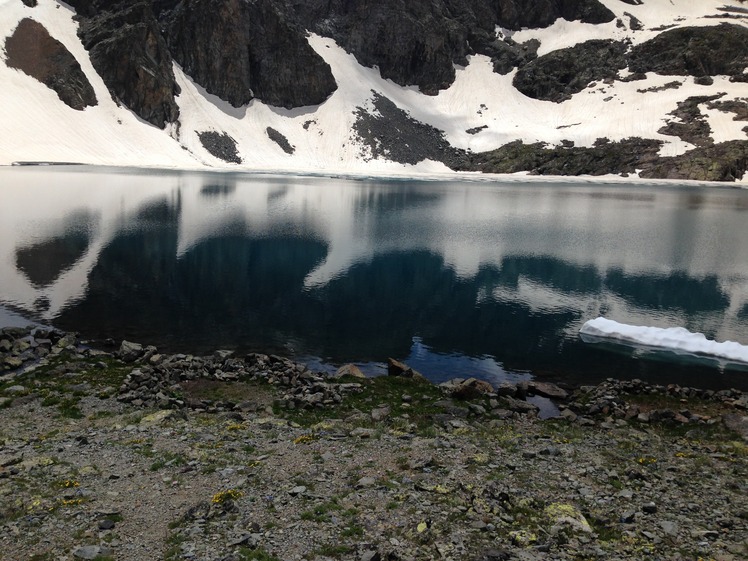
(382, 390)
(259, 394)
(168, 459)
(69, 409)
(321, 512)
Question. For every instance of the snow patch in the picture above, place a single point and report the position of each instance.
(677, 339)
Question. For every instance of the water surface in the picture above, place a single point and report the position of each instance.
(456, 278)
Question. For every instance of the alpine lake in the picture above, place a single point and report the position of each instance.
(457, 278)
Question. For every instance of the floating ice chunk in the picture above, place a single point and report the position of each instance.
(671, 338)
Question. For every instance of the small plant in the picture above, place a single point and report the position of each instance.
(223, 496)
(305, 439)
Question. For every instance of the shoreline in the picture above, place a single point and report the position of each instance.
(390, 175)
(135, 455)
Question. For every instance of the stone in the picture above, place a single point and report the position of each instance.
(649, 508)
(471, 388)
(106, 524)
(91, 552)
(366, 482)
(350, 370)
(130, 352)
(15, 390)
(362, 432)
(380, 414)
(546, 389)
(158, 417)
(397, 368)
(370, 555)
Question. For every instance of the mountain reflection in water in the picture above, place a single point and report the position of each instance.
(457, 278)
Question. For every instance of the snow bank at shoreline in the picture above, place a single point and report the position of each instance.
(677, 339)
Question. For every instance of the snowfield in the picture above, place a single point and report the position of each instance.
(37, 126)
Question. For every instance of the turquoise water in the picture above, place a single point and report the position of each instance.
(456, 278)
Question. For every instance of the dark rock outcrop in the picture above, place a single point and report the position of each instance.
(690, 124)
(694, 51)
(413, 43)
(417, 42)
(239, 50)
(516, 14)
(220, 145)
(280, 139)
(35, 52)
(129, 53)
(391, 133)
(507, 55)
(726, 161)
(605, 157)
(559, 74)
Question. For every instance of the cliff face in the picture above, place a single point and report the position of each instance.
(417, 42)
(130, 54)
(239, 50)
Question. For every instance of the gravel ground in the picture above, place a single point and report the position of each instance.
(84, 475)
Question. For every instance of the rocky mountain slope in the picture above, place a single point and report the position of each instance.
(654, 88)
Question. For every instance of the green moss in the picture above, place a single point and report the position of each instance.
(382, 390)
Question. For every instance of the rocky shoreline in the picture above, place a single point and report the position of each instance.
(133, 454)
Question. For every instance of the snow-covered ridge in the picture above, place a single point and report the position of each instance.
(677, 339)
(480, 111)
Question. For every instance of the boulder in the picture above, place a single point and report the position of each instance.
(546, 389)
(349, 370)
(129, 351)
(471, 388)
(397, 368)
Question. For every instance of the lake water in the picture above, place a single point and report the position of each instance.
(455, 278)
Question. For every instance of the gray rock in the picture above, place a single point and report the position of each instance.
(380, 414)
(91, 552)
(15, 390)
(129, 351)
(366, 482)
(546, 389)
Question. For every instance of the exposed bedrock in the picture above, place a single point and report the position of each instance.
(417, 42)
(604, 157)
(129, 53)
(516, 14)
(240, 50)
(694, 51)
(559, 74)
(35, 52)
(726, 161)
